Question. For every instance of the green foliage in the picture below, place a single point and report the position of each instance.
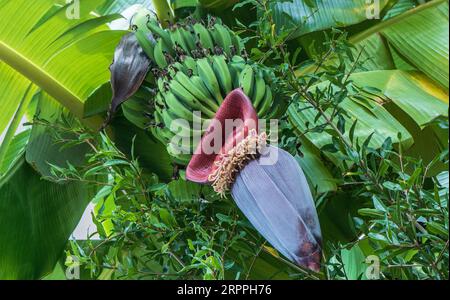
(367, 121)
(37, 218)
(397, 196)
(151, 230)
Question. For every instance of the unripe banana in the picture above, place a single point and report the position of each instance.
(196, 87)
(171, 121)
(259, 90)
(203, 36)
(236, 65)
(266, 103)
(176, 106)
(159, 56)
(189, 39)
(206, 73)
(222, 38)
(181, 159)
(177, 37)
(162, 34)
(188, 99)
(222, 73)
(208, 100)
(143, 33)
(191, 64)
(246, 80)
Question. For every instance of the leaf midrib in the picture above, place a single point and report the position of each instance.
(41, 78)
(48, 83)
(379, 27)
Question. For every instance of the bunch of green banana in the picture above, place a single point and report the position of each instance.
(190, 39)
(195, 67)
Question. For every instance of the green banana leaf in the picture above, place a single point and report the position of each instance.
(36, 219)
(418, 38)
(118, 6)
(423, 39)
(400, 7)
(46, 45)
(36, 216)
(411, 93)
(414, 39)
(43, 150)
(319, 177)
(311, 16)
(15, 151)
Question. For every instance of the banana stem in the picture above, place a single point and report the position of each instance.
(163, 11)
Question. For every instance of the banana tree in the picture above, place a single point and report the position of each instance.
(56, 61)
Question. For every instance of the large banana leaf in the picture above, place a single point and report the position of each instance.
(411, 93)
(118, 6)
(400, 7)
(318, 175)
(41, 45)
(414, 39)
(43, 150)
(402, 41)
(310, 16)
(421, 37)
(15, 151)
(37, 218)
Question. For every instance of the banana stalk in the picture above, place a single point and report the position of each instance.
(164, 12)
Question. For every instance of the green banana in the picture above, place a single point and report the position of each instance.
(142, 33)
(178, 39)
(266, 103)
(188, 99)
(161, 83)
(203, 36)
(186, 130)
(206, 73)
(189, 39)
(191, 64)
(208, 99)
(237, 43)
(222, 73)
(189, 85)
(159, 56)
(222, 38)
(163, 35)
(179, 158)
(246, 80)
(259, 90)
(176, 106)
(179, 67)
(236, 65)
(146, 44)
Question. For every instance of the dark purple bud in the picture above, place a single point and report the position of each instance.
(128, 71)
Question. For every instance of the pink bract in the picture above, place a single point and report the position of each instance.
(236, 106)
